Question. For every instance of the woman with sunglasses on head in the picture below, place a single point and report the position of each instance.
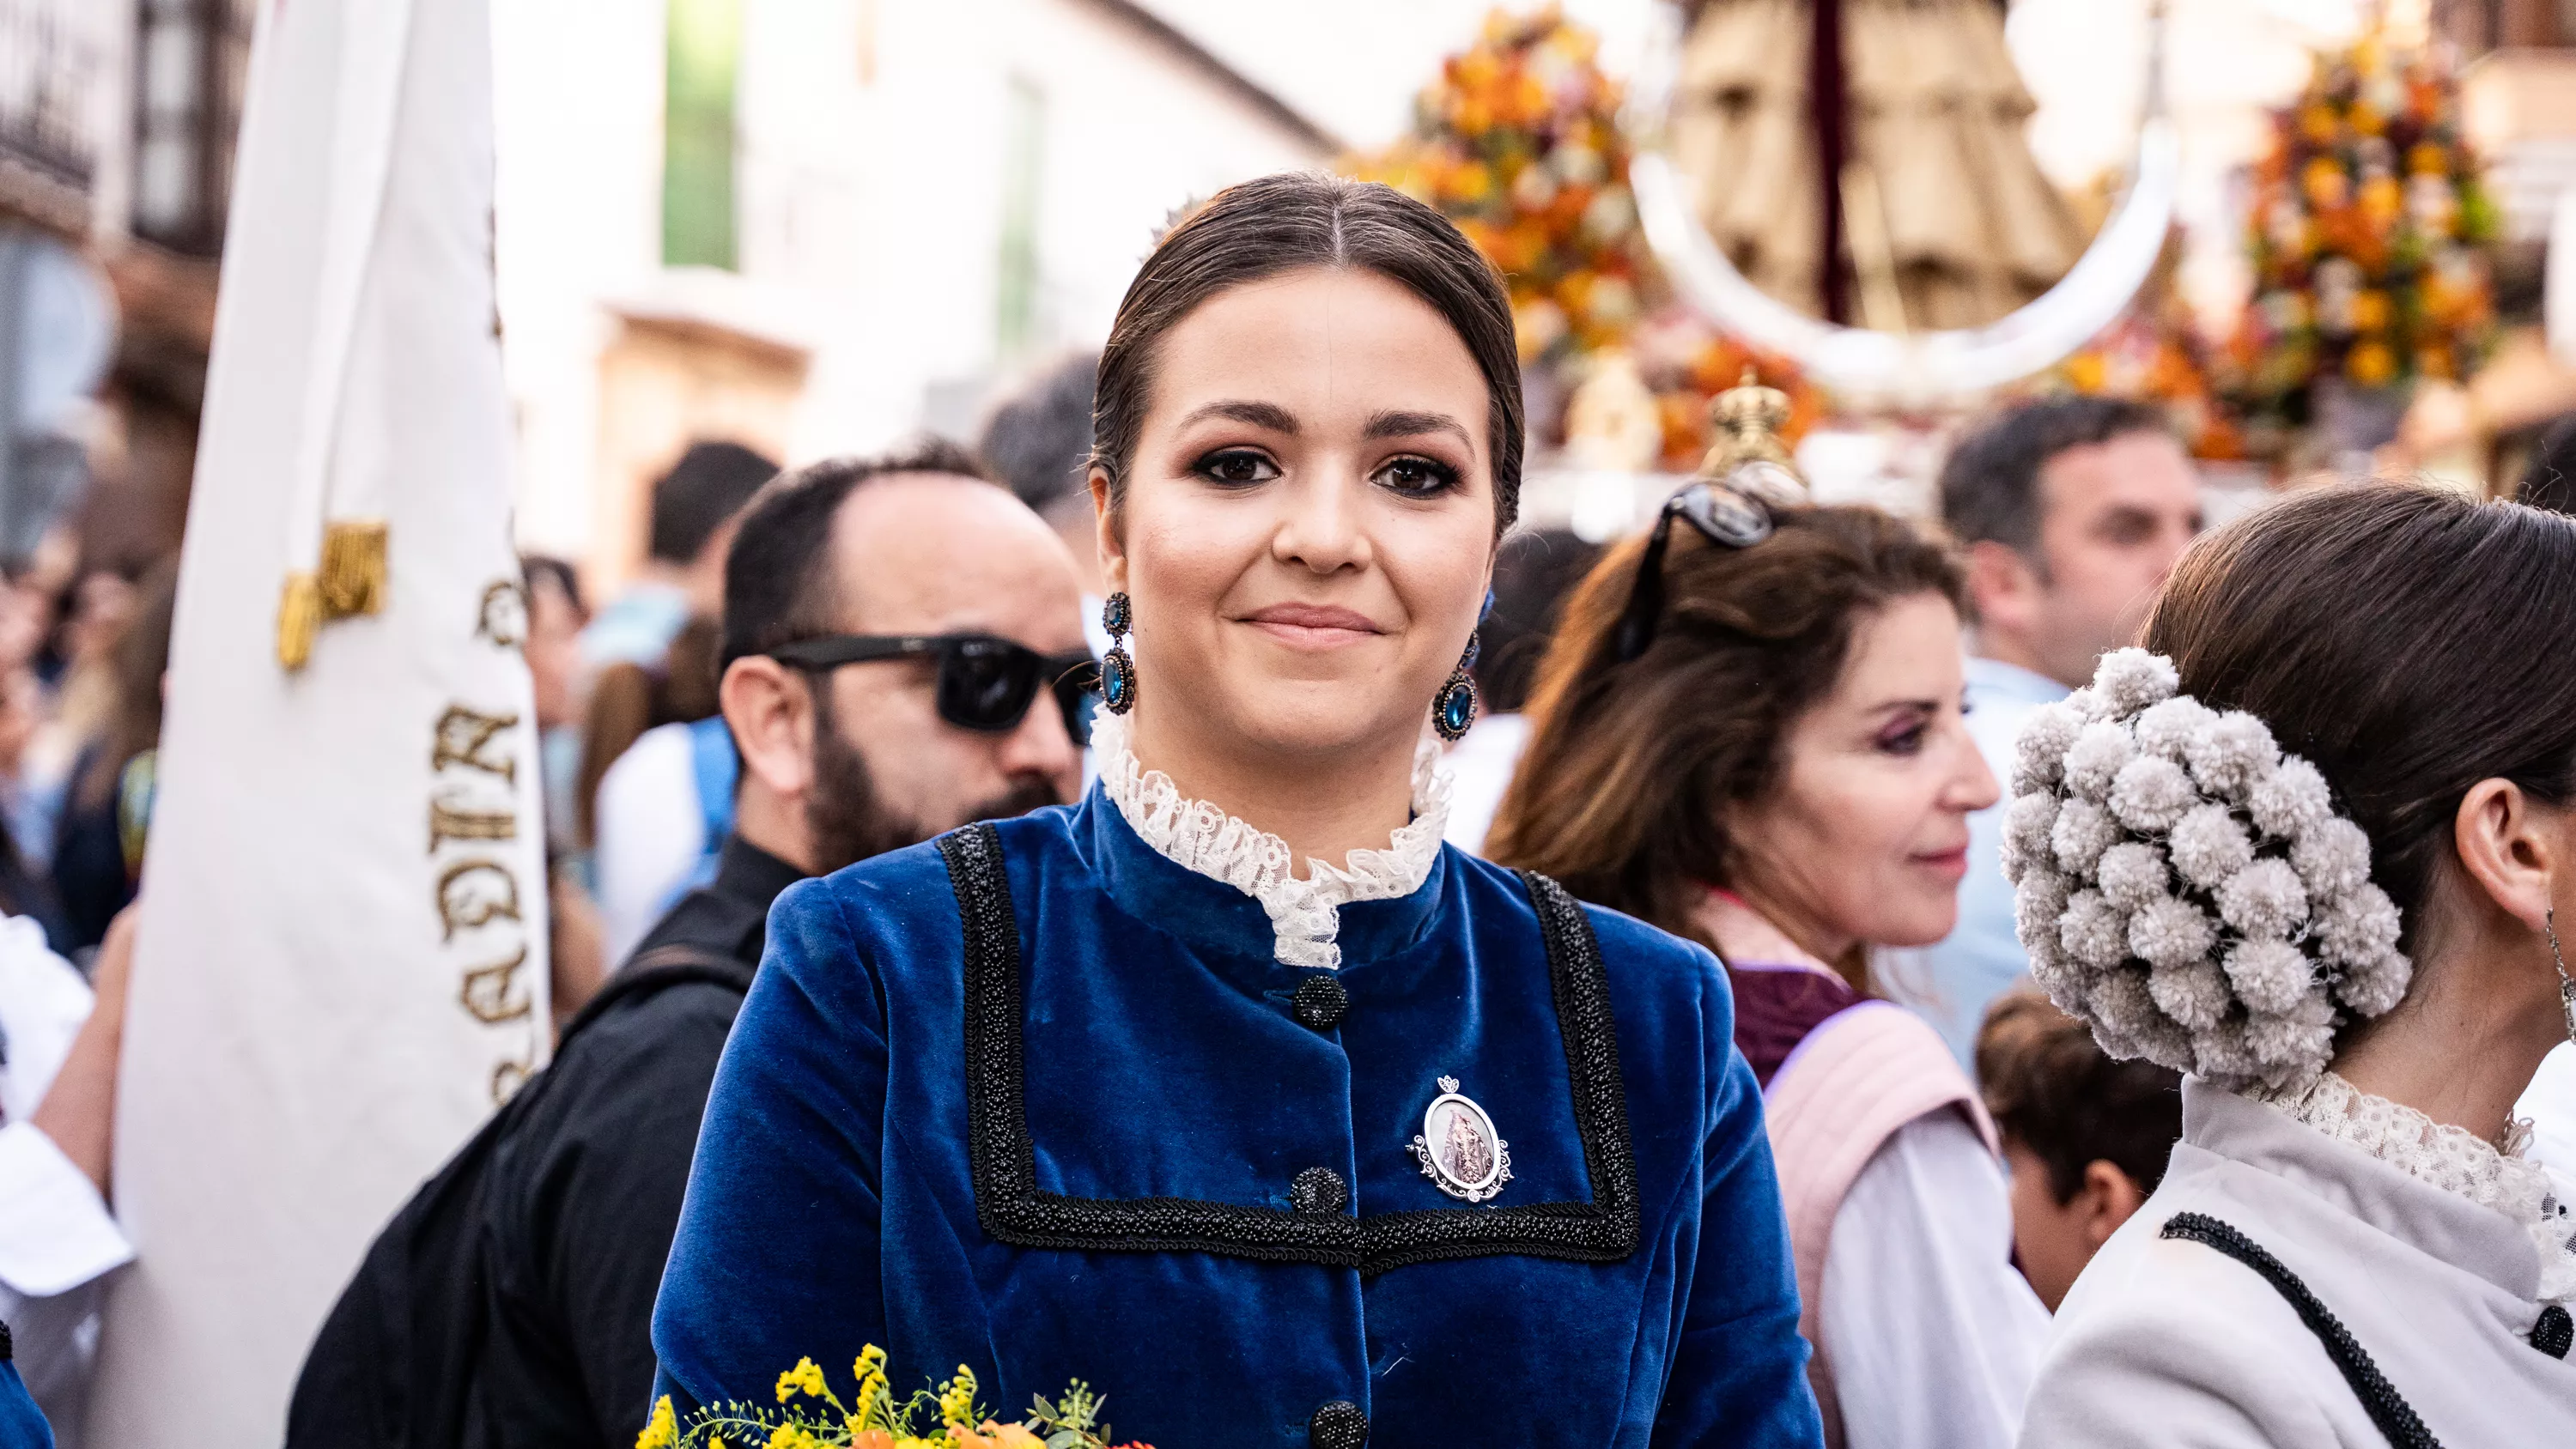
(1231, 1090)
(1748, 731)
(2309, 847)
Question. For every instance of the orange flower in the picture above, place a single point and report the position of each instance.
(2382, 199)
(2325, 183)
(2370, 311)
(2371, 364)
(995, 1436)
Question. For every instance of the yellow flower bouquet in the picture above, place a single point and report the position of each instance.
(810, 1416)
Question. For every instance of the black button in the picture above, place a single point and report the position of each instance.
(2555, 1333)
(1320, 1001)
(1318, 1190)
(1339, 1424)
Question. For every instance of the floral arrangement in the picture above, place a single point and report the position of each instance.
(2187, 889)
(2155, 352)
(2365, 234)
(1518, 142)
(811, 1416)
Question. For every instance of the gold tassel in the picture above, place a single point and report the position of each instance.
(299, 614)
(353, 567)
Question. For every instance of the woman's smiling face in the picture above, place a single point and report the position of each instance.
(1866, 836)
(1308, 525)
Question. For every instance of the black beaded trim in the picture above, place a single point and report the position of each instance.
(1012, 1209)
(2379, 1398)
(2555, 1333)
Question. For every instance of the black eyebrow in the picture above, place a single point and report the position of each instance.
(1414, 425)
(1259, 414)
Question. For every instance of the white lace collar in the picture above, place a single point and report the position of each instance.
(1305, 915)
(2451, 1158)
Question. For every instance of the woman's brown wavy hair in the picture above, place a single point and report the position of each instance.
(1635, 768)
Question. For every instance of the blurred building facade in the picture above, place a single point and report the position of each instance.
(117, 120)
(817, 225)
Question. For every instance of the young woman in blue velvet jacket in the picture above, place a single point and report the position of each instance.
(1392, 1146)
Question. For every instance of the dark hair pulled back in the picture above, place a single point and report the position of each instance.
(1274, 224)
(1626, 789)
(2407, 640)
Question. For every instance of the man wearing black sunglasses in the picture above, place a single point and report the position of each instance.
(903, 645)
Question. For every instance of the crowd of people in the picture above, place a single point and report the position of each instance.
(1186, 894)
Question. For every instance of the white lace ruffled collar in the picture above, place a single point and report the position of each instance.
(2451, 1158)
(1305, 914)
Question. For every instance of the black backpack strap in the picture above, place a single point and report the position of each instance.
(656, 969)
(2379, 1398)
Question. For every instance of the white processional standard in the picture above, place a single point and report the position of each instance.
(342, 959)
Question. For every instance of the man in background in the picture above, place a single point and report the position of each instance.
(521, 1280)
(1038, 441)
(652, 784)
(695, 506)
(2073, 511)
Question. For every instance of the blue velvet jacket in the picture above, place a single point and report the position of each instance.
(1036, 1099)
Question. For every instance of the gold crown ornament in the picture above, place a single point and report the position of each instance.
(1749, 456)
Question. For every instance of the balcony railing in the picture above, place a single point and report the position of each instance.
(48, 150)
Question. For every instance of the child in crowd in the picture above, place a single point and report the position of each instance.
(2086, 1137)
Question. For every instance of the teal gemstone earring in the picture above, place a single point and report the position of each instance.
(1118, 671)
(1453, 709)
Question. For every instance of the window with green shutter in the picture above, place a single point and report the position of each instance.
(1016, 282)
(704, 43)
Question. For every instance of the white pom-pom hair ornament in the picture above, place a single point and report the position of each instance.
(2039, 755)
(2101, 749)
(2129, 680)
(2187, 889)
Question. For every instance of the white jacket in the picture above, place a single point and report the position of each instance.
(2168, 1342)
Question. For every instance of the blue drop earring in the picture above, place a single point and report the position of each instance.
(1453, 709)
(1118, 670)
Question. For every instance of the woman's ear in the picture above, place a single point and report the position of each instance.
(1113, 550)
(2512, 847)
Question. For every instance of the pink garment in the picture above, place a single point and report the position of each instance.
(1850, 1083)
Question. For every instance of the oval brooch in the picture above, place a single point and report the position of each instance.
(1459, 1149)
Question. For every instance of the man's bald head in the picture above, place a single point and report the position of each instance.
(936, 553)
(799, 567)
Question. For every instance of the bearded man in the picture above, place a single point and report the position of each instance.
(904, 654)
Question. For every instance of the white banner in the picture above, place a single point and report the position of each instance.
(342, 963)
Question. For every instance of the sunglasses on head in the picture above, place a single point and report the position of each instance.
(985, 683)
(1722, 515)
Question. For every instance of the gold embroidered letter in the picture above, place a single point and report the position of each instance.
(504, 615)
(448, 821)
(464, 901)
(459, 739)
(487, 992)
